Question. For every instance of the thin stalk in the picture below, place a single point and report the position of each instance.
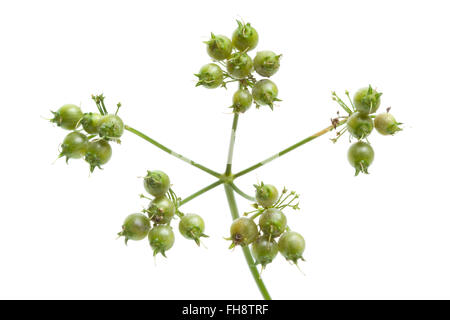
(235, 212)
(102, 102)
(231, 147)
(242, 193)
(289, 149)
(256, 215)
(201, 191)
(173, 153)
(248, 256)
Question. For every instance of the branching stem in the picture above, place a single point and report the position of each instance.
(173, 153)
(231, 146)
(289, 149)
(228, 178)
(201, 191)
(242, 193)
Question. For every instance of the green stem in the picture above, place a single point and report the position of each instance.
(248, 256)
(231, 147)
(242, 193)
(256, 215)
(201, 191)
(102, 102)
(235, 212)
(173, 153)
(289, 149)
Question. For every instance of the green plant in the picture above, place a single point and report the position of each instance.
(271, 234)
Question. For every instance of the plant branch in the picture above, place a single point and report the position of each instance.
(231, 147)
(173, 153)
(235, 212)
(242, 193)
(201, 191)
(289, 149)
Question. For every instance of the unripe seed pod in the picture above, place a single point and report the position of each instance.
(192, 227)
(219, 47)
(272, 222)
(157, 183)
(245, 37)
(111, 126)
(210, 76)
(360, 125)
(74, 146)
(266, 63)
(386, 124)
(91, 122)
(265, 93)
(161, 210)
(239, 65)
(161, 239)
(242, 100)
(360, 155)
(266, 195)
(264, 250)
(367, 100)
(291, 246)
(67, 117)
(243, 231)
(98, 153)
(135, 227)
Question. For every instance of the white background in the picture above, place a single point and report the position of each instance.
(385, 235)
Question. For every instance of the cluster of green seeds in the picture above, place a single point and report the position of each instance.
(91, 132)
(265, 228)
(233, 64)
(272, 225)
(360, 122)
(154, 221)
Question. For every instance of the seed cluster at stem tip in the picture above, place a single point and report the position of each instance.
(264, 229)
(360, 123)
(232, 63)
(91, 133)
(162, 209)
(272, 223)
